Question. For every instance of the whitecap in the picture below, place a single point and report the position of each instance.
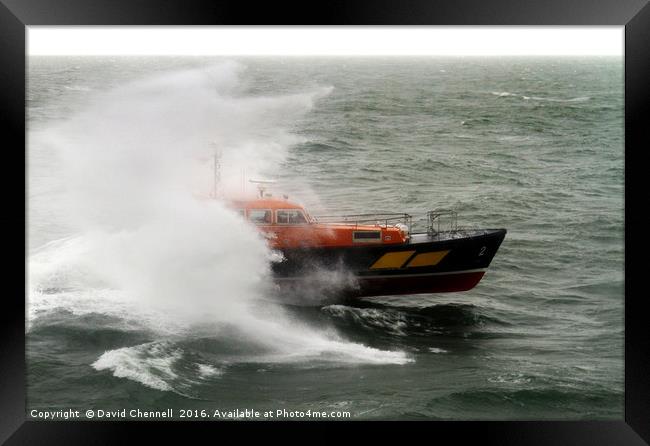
(77, 88)
(437, 350)
(206, 370)
(149, 364)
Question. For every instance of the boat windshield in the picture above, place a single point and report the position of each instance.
(260, 216)
(290, 217)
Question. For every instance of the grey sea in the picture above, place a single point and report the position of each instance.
(533, 145)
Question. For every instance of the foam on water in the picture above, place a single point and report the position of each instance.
(207, 371)
(149, 364)
(437, 350)
(392, 321)
(503, 94)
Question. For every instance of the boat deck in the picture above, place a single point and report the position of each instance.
(426, 237)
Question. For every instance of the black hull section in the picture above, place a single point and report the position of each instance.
(446, 262)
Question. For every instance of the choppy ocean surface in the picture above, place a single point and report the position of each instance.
(117, 244)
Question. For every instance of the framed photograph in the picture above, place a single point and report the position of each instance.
(376, 213)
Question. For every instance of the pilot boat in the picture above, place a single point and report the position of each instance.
(375, 254)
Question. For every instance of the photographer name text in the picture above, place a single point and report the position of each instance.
(216, 414)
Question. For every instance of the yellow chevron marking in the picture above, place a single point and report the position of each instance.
(427, 259)
(392, 260)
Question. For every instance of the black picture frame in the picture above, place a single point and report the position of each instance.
(15, 15)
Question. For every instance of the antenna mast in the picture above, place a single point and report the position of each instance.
(261, 186)
(216, 169)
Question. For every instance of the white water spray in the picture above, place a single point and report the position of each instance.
(134, 163)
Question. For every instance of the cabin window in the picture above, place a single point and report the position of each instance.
(290, 217)
(260, 216)
(366, 236)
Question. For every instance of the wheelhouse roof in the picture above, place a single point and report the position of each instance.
(266, 203)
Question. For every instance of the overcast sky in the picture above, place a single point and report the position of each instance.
(325, 41)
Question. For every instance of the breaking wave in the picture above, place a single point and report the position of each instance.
(147, 249)
(503, 94)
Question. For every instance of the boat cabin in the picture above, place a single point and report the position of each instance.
(288, 225)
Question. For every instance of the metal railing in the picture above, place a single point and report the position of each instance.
(376, 219)
(439, 220)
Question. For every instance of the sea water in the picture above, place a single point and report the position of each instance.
(142, 296)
